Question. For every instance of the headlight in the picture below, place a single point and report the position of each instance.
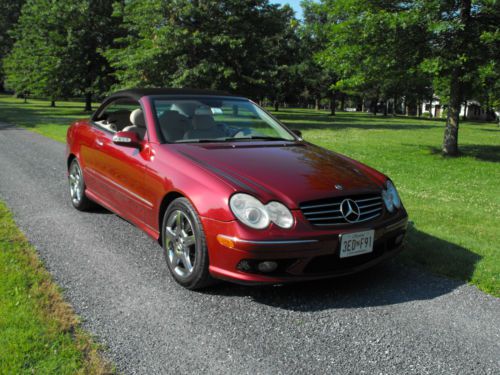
(252, 212)
(279, 214)
(391, 197)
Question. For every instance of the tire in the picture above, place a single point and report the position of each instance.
(77, 188)
(184, 245)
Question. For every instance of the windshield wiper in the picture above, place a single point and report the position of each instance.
(263, 137)
(202, 140)
(231, 139)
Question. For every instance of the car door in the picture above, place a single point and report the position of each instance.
(120, 169)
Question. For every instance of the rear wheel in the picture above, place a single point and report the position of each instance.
(185, 245)
(77, 188)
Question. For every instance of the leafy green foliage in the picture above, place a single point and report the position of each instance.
(64, 56)
(227, 45)
(9, 13)
(382, 49)
(375, 48)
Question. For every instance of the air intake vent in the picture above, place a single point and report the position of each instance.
(343, 210)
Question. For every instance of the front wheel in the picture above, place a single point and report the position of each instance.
(77, 187)
(185, 245)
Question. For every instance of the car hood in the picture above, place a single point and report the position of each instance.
(290, 172)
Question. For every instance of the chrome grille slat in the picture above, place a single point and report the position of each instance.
(368, 218)
(320, 205)
(359, 221)
(326, 218)
(370, 205)
(369, 212)
(367, 199)
(319, 213)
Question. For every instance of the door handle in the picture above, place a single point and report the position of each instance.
(99, 142)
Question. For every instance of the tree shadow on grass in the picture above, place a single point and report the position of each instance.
(489, 153)
(397, 281)
(22, 115)
(346, 121)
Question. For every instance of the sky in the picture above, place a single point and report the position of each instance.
(295, 4)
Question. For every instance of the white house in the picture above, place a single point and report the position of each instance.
(472, 110)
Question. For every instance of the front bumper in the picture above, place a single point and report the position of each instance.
(301, 254)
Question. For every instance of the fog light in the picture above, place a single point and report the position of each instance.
(267, 266)
(244, 265)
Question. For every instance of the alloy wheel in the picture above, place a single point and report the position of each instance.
(180, 243)
(75, 183)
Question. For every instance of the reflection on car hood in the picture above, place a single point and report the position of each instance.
(290, 172)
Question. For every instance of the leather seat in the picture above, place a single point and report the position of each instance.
(138, 123)
(118, 120)
(204, 127)
(173, 125)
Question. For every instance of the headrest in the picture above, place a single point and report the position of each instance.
(203, 122)
(137, 118)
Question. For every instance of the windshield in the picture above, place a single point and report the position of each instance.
(215, 120)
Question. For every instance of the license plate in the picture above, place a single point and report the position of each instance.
(357, 243)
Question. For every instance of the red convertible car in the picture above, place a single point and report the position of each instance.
(228, 191)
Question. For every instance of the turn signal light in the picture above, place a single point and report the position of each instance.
(225, 241)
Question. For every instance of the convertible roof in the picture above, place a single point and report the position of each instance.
(139, 93)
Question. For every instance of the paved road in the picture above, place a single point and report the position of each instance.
(392, 319)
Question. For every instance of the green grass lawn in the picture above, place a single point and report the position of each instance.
(453, 203)
(40, 333)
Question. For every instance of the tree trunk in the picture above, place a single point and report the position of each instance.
(394, 105)
(450, 141)
(52, 103)
(419, 108)
(276, 105)
(316, 104)
(333, 103)
(375, 107)
(465, 110)
(431, 99)
(88, 101)
(342, 102)
(385, 104)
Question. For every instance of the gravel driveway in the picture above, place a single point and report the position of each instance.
(391, 319)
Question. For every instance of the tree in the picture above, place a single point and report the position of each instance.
(64, 56)
(39, 63)
(374, 48)
(318, 79)
(9, 13)
(464, 36)
(284, 55)
(225, 45)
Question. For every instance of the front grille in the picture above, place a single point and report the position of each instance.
(327, 211)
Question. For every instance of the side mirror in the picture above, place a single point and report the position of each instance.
(127, 139)
(297, 132)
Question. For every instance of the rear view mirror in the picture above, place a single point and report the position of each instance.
(127, 139)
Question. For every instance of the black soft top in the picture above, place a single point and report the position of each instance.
(139, 93)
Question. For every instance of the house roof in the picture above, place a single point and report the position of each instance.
(137, 93)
